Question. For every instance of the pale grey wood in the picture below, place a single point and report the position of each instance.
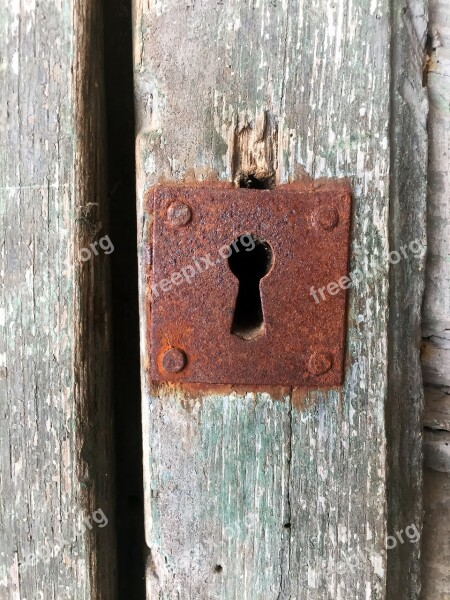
(437, 453)
(436, 315)
(437, 409)
(55, 430)
(264, 496)
(436, 360)
(436, 541)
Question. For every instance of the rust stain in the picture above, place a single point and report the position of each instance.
(192, 289)
(192, 394)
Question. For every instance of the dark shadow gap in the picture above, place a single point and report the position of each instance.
(125, 317)
(249, 263)
(256, 182)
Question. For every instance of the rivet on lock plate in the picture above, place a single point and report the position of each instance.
(249, 286)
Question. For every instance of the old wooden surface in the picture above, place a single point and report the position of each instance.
(284, 494)
(407, 208)
(436, 317)
(55, 458)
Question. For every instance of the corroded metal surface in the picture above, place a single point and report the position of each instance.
(193, 292)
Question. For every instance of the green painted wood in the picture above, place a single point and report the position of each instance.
(284, 495)
(55, 430)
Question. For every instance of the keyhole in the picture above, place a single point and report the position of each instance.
(250, 260)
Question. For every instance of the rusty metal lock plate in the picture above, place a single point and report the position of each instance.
(222, 312)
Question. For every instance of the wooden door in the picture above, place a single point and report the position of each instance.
(281, 493)
(55, 356)
(291, 494)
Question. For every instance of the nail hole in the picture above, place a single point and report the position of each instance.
(218, 569)
(249, 264)
(287, 525)
(256, 182)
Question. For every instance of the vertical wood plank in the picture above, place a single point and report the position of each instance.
(249, 495)
(436, 316)
(408, 181)
(55, 431)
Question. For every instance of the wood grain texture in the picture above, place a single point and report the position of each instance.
(55, 458)
(282, 495)
(436, 315)
(408, 185)
(437, 409)
(436, 546)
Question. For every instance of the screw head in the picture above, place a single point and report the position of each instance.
(327, 217)
(174, 360)
(320, 363)
(179, 214)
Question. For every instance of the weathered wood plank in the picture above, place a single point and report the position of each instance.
(436, 546)
(283, 495)
(408, 181)
(436, 315)
(55, 434)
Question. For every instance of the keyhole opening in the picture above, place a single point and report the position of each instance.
(251, 258)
